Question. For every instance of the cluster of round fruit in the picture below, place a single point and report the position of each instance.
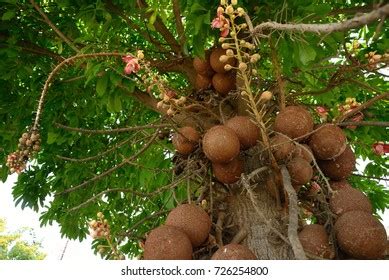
(214, 69)
(187, 227)
(221, 145)
(99, 228)
(327, 144)
(29, 143)
(358, 233)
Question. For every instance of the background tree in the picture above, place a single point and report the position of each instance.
(104, 140)
(14, 247)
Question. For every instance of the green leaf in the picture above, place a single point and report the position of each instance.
(101, 85)
(306, 53)
(51, 137)
(8, 15)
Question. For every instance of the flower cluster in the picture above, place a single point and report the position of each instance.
(348, 106)
(220, 22)
(132, 63)
(29, 144)
(374, 59)
(99, 228)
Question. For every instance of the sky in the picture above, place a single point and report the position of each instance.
(53, 244)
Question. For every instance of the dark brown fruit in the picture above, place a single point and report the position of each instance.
(234, 252)
(340, 167)
(303, 151)
(282, 147)
(224, 83)
(202, 66)
(349, 199)
(192, 220)
(314, 240)
(228, 173)
(294, 121)
(360, 235)
(221, 144)
(202, 82)
(247, 132)
(300, 171)
(216, 64)
(167, 243)
(186, 140)
(328, 142)
(338, 185)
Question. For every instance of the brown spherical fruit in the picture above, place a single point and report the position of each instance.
(300, 171)
(185, 140)
(216, 64)
(328, 142)
(349, 199)
(294, 121)
(314, 240)
(221, 144)
(167, 243)
(202, 82)
(303, 151)
(338, 185)
(203, 66)
(282, 147)
(228, 173)
(224, 83)
(340, 167)
(360, 235)
(247, 132)
(192, 220)
(234, 252)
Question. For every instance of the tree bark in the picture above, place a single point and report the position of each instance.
(261, 239)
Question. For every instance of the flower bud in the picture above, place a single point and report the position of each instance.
(223, 58)
(227, 67)
(230, 52)
(234, 2)
(159, 104)
(254, 58)
(140, 54)
(240, 11)
(220, 10)
(229, 10)
(254, 72)
(221, 39)
(266, 95)
(243, 25)
(100, 215)
(170, 112)
(242, 66)
(223, 2)
(225, 46)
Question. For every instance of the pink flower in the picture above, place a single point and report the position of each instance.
(132, 64)
(380, 148)
(322, 112)
(356, 118)
(220, 22)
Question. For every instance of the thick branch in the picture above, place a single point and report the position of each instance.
(111, 131)
(362, 107)
(116, 10)
(357, 21)
(293, 216)
(55, 29)
(57, 68)
(364, 123)
(179, 25)
(162, 29)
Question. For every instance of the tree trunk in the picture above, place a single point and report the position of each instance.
(254, 213)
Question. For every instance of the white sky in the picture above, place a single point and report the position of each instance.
(50, 236)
